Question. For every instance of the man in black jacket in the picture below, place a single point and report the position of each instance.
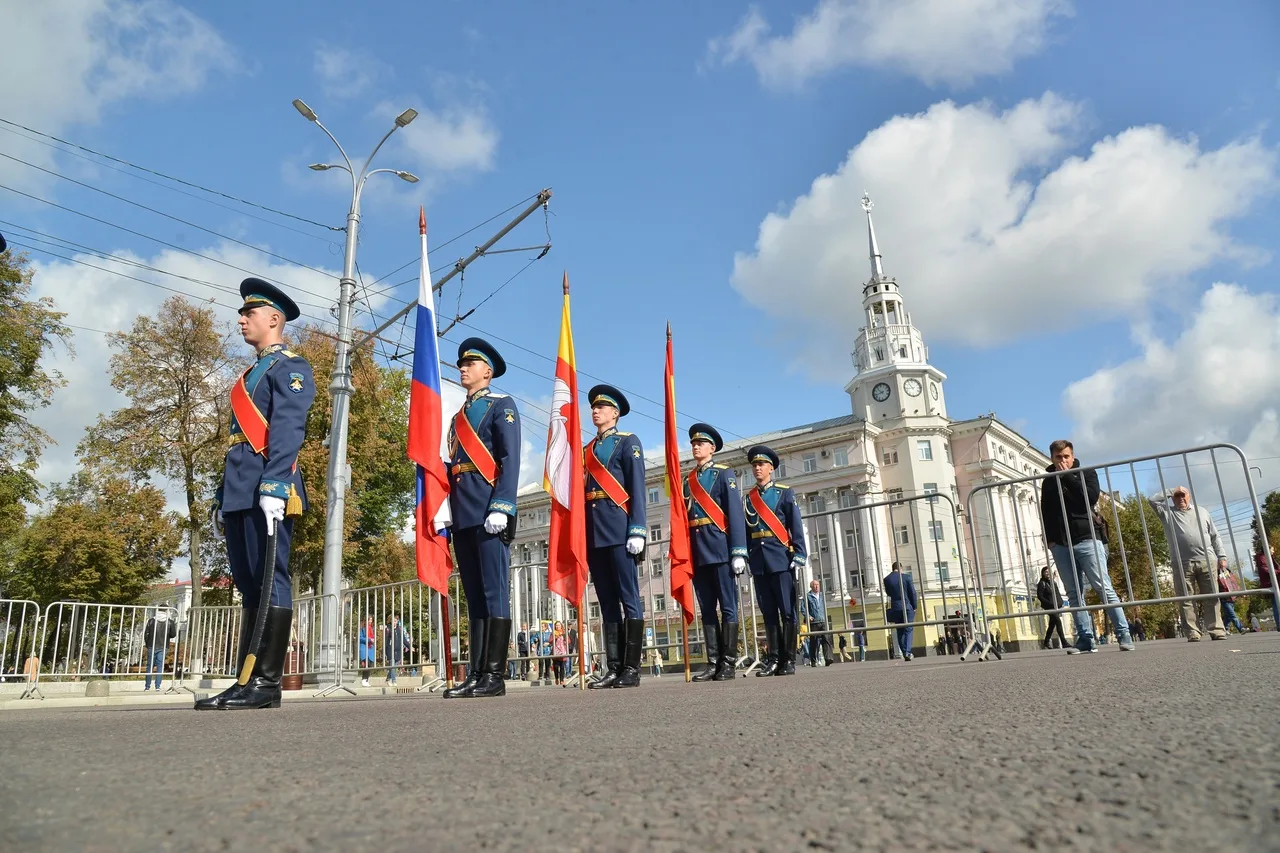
(1051, 601)
(1078, 543)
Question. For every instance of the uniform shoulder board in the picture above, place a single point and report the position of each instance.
(288, 353)
(781, 486)
(495, 396)
(623, 434)
(719, 467)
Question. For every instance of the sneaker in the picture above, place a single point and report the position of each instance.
(1084, 646)
(1194, 638)
(1222, 636)
(910, 657)
(364, 682)
(1126, 643)
(1072, 650)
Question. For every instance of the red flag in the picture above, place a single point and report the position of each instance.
(680, 550)
(562, 476)
(426, 424)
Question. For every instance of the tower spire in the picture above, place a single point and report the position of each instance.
(877, 270)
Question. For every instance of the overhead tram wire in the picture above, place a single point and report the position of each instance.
(171, 177)
(162, 185)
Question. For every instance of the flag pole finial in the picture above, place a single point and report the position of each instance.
(422, 220)
(565, 285)
(668, 330)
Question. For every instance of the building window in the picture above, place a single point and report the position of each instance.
(946, 447)
(902, 351)
(901, 535)
(891, 457)
(855, 579)
(810, 463)
(943, 573)
(595, 610)
(823, 546)
(655, 495)
(655, 532)
(841, 457)
(781, 473)
(935, 531)
(848, 500)
(851, 538)
(924, 449)
(544, 550)
(817, 503)
(655, 568)
(659, 603)
(879, 354)
(894, 494)
(931, 489)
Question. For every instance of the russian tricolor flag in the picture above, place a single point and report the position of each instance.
(426, 424)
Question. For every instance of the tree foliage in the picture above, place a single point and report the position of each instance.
(175, 369)
(29, 329)
(1133, 511)
(105, 538)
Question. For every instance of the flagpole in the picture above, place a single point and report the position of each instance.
(446, 645)
(582, 640)
(684, 640)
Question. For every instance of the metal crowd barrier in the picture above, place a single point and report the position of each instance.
(372, 643)
(1142, 571)
(81, 640)
(19, 652)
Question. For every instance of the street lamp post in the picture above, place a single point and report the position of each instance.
(340, 380)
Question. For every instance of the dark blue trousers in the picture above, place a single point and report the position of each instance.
(776, 595)
(714, 586)
(617, 581)
(484, 566)
(246, 553)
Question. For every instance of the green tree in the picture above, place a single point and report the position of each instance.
(29, 329)
(1133, 511)
(175, 369)
(105, 539)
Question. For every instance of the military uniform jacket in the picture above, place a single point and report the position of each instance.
(711, 544)
(767, 554)
(281, 388)
(607, 523)
(471, 497)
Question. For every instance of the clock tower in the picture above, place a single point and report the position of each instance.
(895, 385)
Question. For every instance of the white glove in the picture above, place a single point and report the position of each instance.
(739, 565)
(495, 523)
(219, 523)
(273, 509)
(796, 564)
(635, 544)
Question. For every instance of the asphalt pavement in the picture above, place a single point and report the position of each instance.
(1173, 747)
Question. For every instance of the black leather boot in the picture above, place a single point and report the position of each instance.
(263, 689)
(711, 640)
(248, 618)
(728, 664)
(612, 658)
(769, 662)
(632, 648)
(787, 649)
(493, 677)
(463, 690)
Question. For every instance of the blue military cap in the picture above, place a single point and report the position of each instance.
(610, 395)
(760, 453)
(706, 432)
(255, 292)
(3, 244)
(473, 349)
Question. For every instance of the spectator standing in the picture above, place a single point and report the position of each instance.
(844, 644)
(367, 650)
(1051, 600)
(573, 647)
(816, 610)
(1136, 628)
(655, 662)
(1264, 581)
(522, 648)
(902, 606)
(1227, 583)
(1191, 534)
(560, 652)
(860, 640)
(395, 640)
(1078, 543)
(156, 637)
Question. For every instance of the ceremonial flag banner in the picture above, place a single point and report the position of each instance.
(681, 559)
(426, 425)
(562, 476)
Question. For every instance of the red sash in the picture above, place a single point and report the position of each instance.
(474, 447)
(769, 517)
(709, 506)
(251, 422)
(604, 477)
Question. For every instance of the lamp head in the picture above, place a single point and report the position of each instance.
(319, 167)
(403, 119)
(407, 176)
(306, 111)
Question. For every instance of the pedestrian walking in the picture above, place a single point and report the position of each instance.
(1051, 600)
(158, 634)
(901, 593)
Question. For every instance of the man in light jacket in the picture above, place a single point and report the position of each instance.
(1193, 543)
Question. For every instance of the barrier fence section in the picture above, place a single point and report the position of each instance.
(1152, 566)
(387, 629)
(19, 655)
(125, 642)
(212, 645)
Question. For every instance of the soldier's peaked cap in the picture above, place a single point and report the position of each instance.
(478, 349)
(255, 292)
(3, 244)
(706, 432)
(611, 396)
(760, 453)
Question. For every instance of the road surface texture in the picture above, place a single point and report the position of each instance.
(1173, 747)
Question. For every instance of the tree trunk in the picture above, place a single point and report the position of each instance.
(194, 522)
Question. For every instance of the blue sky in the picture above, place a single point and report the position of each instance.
(1059, 187)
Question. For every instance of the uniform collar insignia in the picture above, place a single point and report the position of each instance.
(268, 350)
(476, 395)
(613, 430)
(766, 487)
(705, 465)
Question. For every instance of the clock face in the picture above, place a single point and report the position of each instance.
(933, 389)
(880, 392)
(912, 387)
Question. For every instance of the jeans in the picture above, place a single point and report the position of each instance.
(1091, 564)
(903, 634)
(1229, 616)
(819, 642)
(155, 663)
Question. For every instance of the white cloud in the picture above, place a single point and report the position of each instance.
(77, 58)
(345, 73)
(938, 41)
(993, 233)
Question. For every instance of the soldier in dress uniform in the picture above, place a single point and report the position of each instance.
(613, 462)
(719, 538)
(484, 471)
(777, 550)
(262, 490)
